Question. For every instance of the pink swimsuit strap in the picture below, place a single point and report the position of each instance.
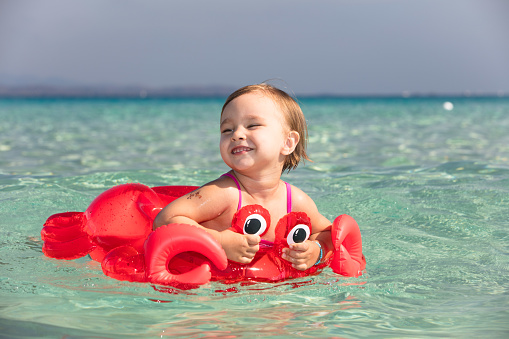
(288, 197)
(288, 193)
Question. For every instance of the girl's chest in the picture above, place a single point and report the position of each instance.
(273, 210)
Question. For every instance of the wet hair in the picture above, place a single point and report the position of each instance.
(292, 113)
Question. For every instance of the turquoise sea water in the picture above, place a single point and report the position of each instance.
(429, 188)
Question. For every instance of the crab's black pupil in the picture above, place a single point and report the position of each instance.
(252, 226)
(299, 235)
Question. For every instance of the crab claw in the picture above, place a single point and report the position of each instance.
(171, 240)
(348, 259)
(64, 236)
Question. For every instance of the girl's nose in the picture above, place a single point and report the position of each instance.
(238, 134)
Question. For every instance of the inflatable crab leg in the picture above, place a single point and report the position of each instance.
(348, 259)
(124, 263)
(64, 236)
(168, 241)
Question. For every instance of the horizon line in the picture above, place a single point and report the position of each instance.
(204, 91)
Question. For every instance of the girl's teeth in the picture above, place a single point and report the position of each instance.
(240, 150)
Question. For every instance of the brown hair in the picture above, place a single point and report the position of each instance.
(293, 116)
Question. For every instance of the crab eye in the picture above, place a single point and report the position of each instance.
(255, 224)
(297, 234)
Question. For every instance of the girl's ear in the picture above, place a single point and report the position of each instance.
(291, 142)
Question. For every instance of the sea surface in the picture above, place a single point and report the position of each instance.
(428, 184)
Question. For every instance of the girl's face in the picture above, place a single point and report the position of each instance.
(254, 135)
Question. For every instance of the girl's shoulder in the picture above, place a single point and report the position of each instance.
(222, 188)
(223, 183)
(207, 202)
(300, 200)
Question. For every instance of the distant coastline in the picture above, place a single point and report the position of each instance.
(139, 92)
(44, 91)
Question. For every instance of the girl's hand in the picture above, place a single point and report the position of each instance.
(302, 255)
(240, 248)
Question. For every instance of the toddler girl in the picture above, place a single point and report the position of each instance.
(263, 133)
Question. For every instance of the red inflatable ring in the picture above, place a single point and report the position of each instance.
(116, 230)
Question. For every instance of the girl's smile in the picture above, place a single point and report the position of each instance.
(241, 150)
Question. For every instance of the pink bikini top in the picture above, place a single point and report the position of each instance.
(288, 193)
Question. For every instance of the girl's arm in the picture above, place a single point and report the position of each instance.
(306, 254)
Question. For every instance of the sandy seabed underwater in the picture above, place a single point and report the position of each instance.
(429, 188)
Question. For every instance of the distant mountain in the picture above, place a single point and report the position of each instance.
(25, 86)
(34, 87)
(46, 91)
(10, 80)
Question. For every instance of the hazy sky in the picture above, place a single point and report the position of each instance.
(333, 46)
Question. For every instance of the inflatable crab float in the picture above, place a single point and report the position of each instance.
(116, 230)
